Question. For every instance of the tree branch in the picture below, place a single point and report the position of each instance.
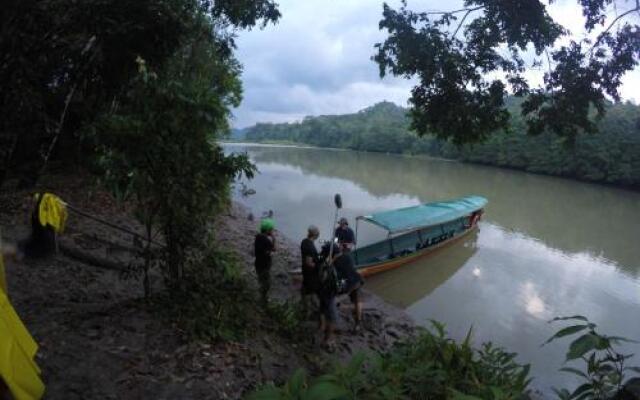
(63, 115)
(462, 21)
(455, 11)
(546, 51)
(624, 14)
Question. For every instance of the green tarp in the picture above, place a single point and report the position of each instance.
(428, 214)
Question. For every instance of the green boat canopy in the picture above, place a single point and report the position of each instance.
(424, 215)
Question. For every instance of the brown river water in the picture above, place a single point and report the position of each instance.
(546, 246)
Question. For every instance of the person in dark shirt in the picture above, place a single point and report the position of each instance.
(263, 246)
(310, 260)
(344, 234)
(346, 271)
(327, 297)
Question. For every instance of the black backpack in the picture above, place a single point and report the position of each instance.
(328, 279)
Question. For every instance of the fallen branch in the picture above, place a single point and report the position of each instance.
(90, 259)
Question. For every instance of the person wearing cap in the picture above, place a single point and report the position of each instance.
(310, 261)
(263, 246)
(344, 234)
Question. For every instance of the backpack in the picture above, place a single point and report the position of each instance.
(328, 279)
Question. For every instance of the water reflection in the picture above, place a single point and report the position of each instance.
(426, 274)
(572, 216)
(522, 284)
(547, 247)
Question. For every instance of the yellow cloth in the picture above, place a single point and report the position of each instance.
(17, 350)
(52, 212)
(3, 277)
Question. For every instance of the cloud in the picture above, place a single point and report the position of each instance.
(317, 59)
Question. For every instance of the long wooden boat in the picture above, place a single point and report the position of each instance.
(414, 232)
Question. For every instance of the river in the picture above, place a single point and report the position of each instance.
(546, 246)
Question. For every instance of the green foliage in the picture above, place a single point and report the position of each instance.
(382, 127)
(64, 63)
(612, 156)
(429, 366)
(604, 369)
(463, 80)
(158, 148)
(288, 317)
(213, 304)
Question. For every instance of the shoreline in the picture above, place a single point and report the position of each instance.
(99, 339)
(287, 257)
(629, 188)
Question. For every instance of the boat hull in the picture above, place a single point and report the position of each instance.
(387, 265)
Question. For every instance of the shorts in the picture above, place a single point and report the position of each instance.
(354, 295)
(354, 291)
(328, 307)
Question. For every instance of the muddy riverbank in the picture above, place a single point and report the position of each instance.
(99, 339)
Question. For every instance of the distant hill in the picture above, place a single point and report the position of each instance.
(237, 134)
(611, 156)
(381, 127)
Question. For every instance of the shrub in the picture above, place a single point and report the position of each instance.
(430, 366)
(604, 368)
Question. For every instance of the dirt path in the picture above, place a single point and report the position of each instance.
(99, 340)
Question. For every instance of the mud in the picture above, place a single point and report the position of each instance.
(100, 340)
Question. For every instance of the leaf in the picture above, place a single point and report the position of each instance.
(575, 371)
(324, 391)
(355, 365)
(620, 339)
(497, 393)
(582, 391)
(582, 346)
(570, 330)
(268, 393)
(467, 339)
(461, 396)
(523, 379)
(297, 381)
(576, 317)
(562, 393)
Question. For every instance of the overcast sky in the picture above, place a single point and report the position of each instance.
(316, 60)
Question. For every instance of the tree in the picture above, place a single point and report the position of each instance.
(468, 60)
(141, 91)
(612, 156)
(64, 63)
(160, 145)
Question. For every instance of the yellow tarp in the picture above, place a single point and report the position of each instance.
(52, 212)
(17, 350)
(3, 277)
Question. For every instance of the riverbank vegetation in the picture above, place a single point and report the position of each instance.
(433, 366)
(429, 366)
(610, 156)
(139, 93)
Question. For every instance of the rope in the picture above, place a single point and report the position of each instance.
(111, 225)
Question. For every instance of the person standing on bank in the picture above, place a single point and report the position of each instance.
(344, 234)
(264, 245)
(346, 271)
(310, 261)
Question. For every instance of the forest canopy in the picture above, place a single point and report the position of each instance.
(611, 156)
(467, 61)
